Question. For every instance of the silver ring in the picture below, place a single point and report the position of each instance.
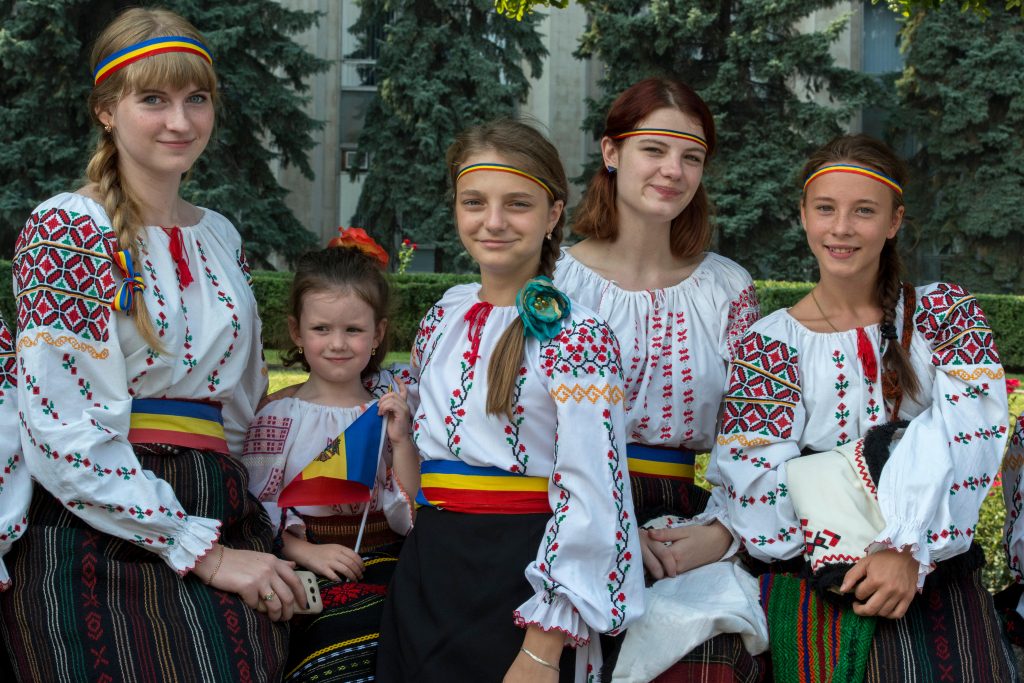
(269, 596)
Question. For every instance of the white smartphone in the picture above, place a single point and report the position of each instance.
(312, 591)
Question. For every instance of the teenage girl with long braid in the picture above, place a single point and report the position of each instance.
(864, 348)
(141, 366)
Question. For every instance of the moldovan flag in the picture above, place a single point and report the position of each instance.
(345, 471)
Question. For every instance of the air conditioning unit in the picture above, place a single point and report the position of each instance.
(352, 160)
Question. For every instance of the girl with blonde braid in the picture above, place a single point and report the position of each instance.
(140, 368)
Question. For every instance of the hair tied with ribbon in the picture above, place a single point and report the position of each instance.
(542, 307)
(124, 295)
(357, 238)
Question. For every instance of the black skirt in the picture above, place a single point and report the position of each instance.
(449, 611)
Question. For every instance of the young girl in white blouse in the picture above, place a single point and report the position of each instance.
(862, 349)
(525, 548)
(140, 368)
(338, 322)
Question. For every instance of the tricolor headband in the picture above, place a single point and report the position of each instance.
(665, 133)
(856, 170)
(148, 48)
(503, 168)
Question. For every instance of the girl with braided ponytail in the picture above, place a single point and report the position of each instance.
(517, 416)
(862, 349)
(139, 344)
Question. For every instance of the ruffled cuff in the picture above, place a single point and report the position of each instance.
(192, 543)
(717, 512)
(905, 538)
(398, 507)
(554, 613)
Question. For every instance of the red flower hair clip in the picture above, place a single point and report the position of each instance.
(358, 239)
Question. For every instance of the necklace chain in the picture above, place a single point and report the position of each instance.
(821, 310)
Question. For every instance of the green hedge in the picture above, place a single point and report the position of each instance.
(414, 293)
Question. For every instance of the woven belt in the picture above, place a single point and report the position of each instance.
(190, 424)
(660, 461)
(453, 485)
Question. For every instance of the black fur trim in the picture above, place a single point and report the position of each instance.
(876, 446)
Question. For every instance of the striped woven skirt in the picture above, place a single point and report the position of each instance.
(950, 634)
(85, 606)
(339, 645)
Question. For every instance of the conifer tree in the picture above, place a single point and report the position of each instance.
(962, 103)
(46, 136)
(775, 92)
(444, 65)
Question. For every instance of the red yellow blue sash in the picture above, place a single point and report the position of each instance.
(660, 461)
(453, 485)
(191, 424)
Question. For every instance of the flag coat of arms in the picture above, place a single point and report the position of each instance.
(345, 471)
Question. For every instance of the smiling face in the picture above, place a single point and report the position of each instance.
(656, 176)
(503, 219)
(160, 132)
(337, 332)
(847, 219)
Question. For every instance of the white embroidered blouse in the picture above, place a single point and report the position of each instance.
(676, 345)
(284, 438)
(1013, 497)
(791, 390)
(567, 427)
(15, 482)
(81, 363)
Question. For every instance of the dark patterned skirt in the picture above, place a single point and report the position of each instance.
(85, 606)
(950, 634)
(448, 615)
(339, 645)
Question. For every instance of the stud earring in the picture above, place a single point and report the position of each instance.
(107, 128)
(547, 236)
(373, 351)
(611, 169)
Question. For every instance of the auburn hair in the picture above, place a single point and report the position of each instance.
(864, 150)
(527, 149)
(597, 216)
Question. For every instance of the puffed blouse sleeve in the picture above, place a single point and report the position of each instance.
(1013, 497)
(937, 476)
(73, 390)
(587, 575)
(762, 419)
(15, 482)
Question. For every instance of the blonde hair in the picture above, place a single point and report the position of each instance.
(529, 151)
(173, 69)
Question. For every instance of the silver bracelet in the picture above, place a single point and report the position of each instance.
(539, 660)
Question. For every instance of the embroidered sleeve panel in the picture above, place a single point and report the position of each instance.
(15, 481)
(1013, 497)
(950, 318)
(764, 388)
(744, 311)
(64, 277)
